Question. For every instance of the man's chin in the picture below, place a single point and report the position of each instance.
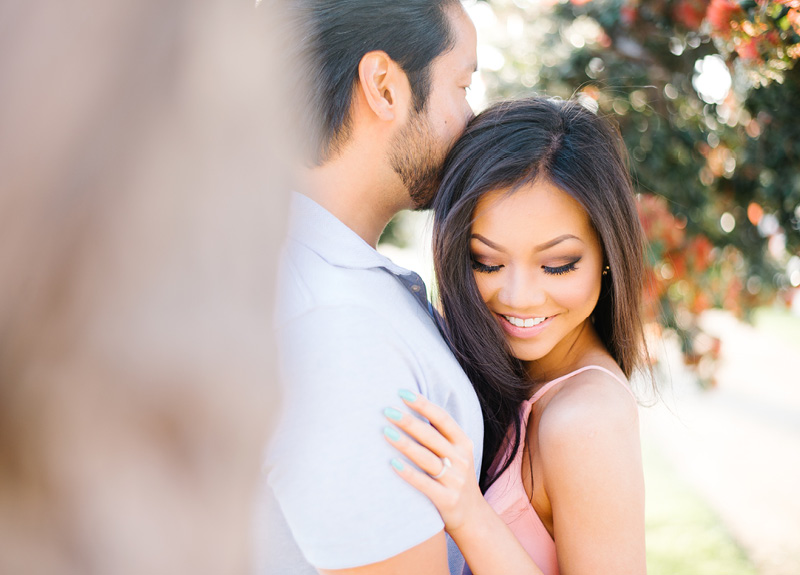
(422, 196)
(418, 206)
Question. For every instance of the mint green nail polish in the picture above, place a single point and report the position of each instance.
(391, 433)
(392, 413)
(397, 464)
(407, 395)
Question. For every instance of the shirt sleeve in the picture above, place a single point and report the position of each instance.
(329, 463)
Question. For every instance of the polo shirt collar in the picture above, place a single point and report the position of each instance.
(315, 227)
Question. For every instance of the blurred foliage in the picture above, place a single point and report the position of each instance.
(707, 98)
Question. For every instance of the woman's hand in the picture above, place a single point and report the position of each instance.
(445, 454)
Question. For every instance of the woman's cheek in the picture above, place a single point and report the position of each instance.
(485, 286)
(584, 291)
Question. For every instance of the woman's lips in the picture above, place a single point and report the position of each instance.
(540, 324)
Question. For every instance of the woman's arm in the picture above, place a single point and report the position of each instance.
(488, 545)
(588, 443)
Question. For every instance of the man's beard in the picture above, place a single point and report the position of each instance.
(417, 159)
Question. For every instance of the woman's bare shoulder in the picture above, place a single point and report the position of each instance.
(591, 408)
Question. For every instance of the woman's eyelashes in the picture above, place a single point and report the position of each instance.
(561, 270)
(479, 266)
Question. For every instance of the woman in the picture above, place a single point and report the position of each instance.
(539, 257)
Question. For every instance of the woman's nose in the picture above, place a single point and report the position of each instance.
(522, 291)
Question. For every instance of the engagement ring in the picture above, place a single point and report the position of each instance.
(445, 466)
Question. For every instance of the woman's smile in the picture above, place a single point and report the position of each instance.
(524, 328)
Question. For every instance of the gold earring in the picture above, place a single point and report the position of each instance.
(605, 270)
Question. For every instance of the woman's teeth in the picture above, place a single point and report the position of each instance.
(519, 322)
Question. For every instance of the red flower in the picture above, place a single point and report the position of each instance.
(772, 37)
(629, 15)
(699, 250)
(678, 261)
(720, 14)
(751, 49)
(690, 13)
(700, 303)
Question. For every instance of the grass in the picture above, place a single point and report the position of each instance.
(684, 535)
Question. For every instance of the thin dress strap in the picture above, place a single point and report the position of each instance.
(542, 390)
(527, 406)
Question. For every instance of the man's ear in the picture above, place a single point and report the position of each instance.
(383, 84)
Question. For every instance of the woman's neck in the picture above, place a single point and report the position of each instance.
(579, 349)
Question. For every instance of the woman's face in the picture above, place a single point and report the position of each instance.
(538, 266)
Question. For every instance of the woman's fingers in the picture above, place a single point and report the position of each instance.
(438, 417)
(451, 487)
(435, 491)
(424, 433)
(419, 455)
(439, 461)
(425, 444)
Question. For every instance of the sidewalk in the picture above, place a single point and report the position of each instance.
(738, 444)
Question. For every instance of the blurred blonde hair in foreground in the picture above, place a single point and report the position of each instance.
(142, 170)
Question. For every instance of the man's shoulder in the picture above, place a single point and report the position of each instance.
(343, 327)
(310, 285)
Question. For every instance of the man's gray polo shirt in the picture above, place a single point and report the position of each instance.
(353, 329)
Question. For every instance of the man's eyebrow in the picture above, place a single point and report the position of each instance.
(539, 248)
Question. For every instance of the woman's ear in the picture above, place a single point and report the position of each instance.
(383, 85)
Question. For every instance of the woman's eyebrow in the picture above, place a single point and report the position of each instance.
(489, 243)
(539, 248)
(555, 242)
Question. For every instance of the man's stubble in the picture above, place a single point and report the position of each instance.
(417, 158)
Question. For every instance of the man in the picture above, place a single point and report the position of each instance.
(389, 81)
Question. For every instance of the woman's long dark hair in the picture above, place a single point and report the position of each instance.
(510, 145)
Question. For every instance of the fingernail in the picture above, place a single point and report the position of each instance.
(397, 464)
(391, 433)
(392, 413)
(407, 395)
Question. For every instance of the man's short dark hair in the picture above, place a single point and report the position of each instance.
(334, 35)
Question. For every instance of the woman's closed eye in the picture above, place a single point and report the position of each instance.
(561, 270)
(484, 268)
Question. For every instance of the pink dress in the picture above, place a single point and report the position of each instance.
(508, 498)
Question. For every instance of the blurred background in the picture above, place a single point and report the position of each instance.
(707, 95)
